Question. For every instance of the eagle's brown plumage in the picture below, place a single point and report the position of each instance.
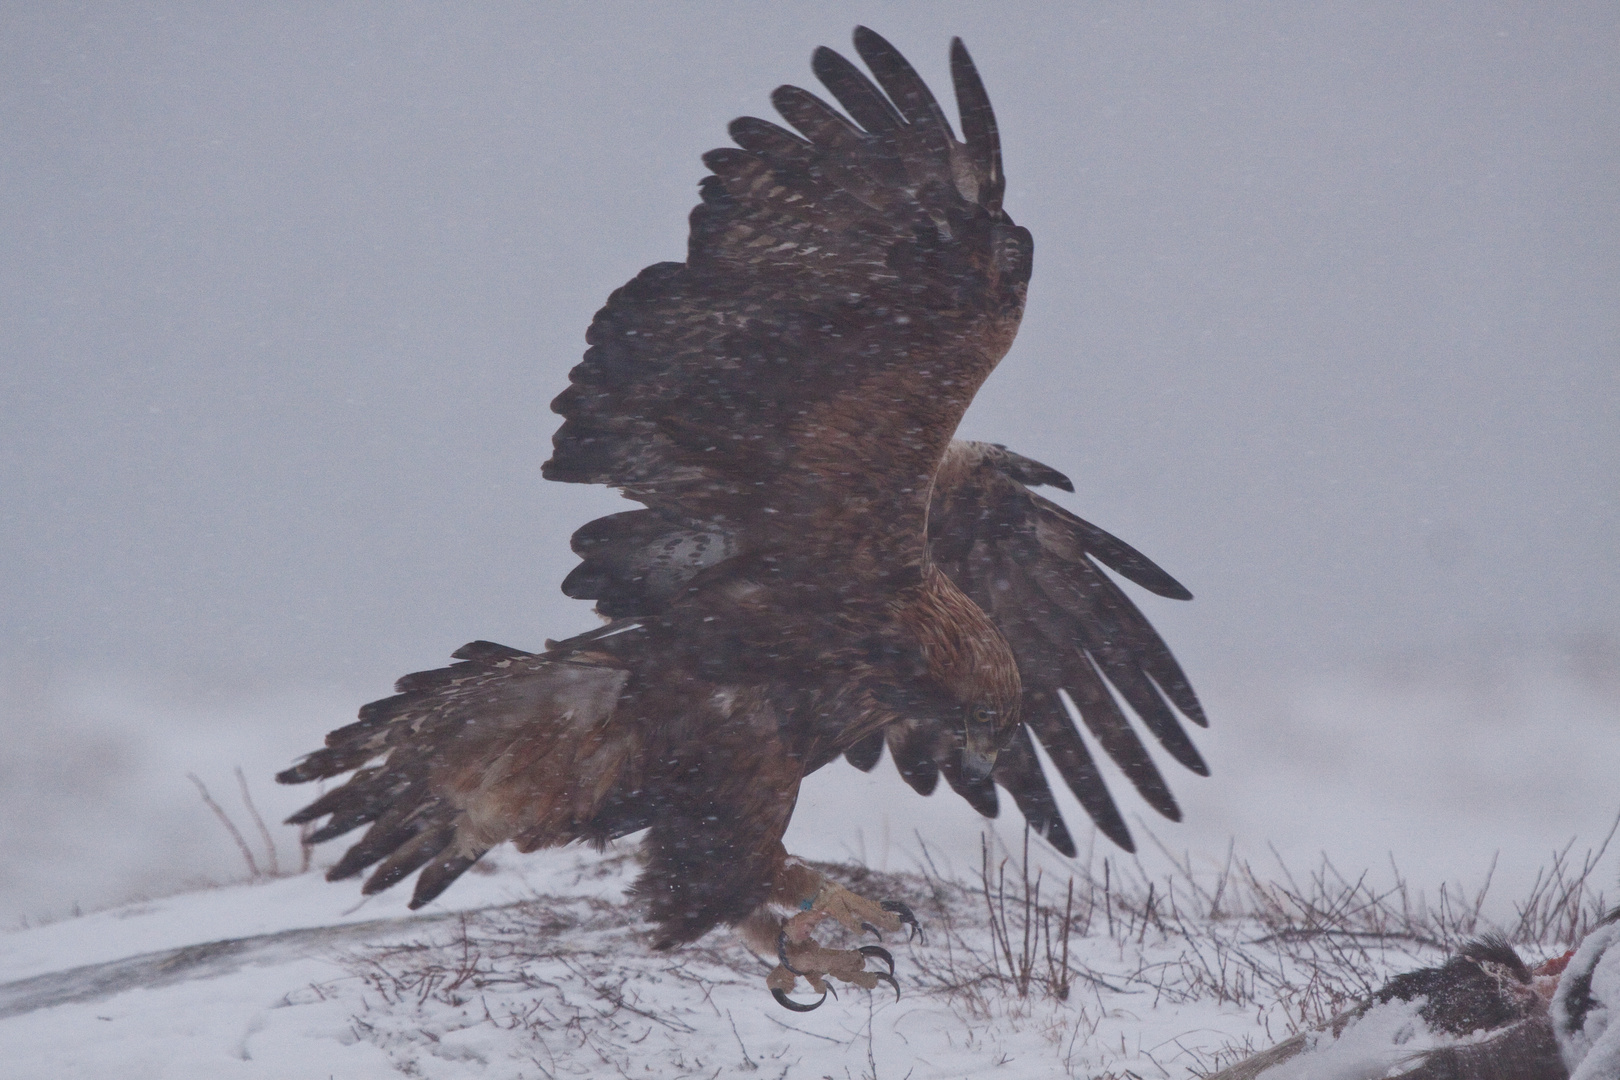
(819, 570)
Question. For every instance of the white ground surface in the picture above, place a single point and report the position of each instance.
(560, 985)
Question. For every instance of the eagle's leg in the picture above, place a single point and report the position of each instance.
(800, 899)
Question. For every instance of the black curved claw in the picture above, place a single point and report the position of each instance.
(788, 1003)
(880, 977)
(908, 917)
(872, 930)
(781, 954)
(882, 954)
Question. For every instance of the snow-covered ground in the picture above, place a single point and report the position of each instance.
(538, 970)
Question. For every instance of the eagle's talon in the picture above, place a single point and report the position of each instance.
(880, 977)
(907, 916)
(803, 898)
(882, 954)
(781, 954)
(788, 1003)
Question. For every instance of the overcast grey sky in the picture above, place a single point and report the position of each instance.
(1325, 317)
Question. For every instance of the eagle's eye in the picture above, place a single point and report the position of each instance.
(983, 714)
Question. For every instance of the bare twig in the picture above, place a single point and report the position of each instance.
(264, 833)
(748, 1063)
(230, 826)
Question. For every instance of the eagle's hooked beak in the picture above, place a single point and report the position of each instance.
(979, 749)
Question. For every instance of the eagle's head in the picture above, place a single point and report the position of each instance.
(969, 660)
(992, 707)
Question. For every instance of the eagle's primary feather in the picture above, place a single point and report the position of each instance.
(819, 570)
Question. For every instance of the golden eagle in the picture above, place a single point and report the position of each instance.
(819, 570)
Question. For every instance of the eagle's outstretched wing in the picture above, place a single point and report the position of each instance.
(1033, 567)
(502, 746)
(846, 290)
